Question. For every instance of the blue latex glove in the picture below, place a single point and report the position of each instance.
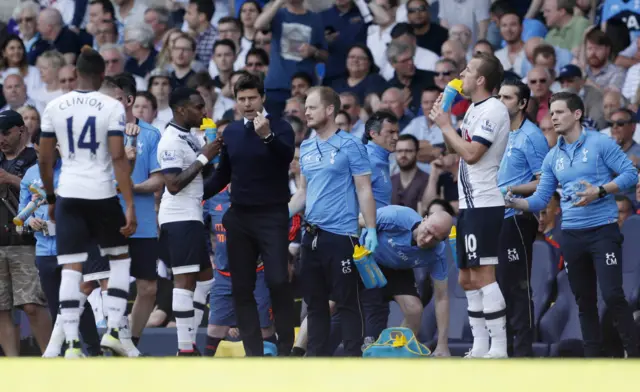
(504, 190)
(371, 239)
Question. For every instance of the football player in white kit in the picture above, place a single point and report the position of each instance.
(480, 142)
(89, 128)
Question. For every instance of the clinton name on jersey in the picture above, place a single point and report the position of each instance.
(486, 122)
(82, 123)
(177, 150)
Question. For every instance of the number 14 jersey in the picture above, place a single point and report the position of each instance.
(82, 123)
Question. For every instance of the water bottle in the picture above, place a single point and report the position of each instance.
(452, 243)
(368, 269)
(210, 132)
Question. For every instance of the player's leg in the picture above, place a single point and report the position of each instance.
(243, 251)
(72, 235)
(482, 248)
(144, 258)
(606, 248)
(49, 274)
(477, 321)
(401, 287)
(88, 328)
(204, 283)
(346, 286)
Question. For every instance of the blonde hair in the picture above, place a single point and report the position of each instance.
(163, 60)
(56, 59)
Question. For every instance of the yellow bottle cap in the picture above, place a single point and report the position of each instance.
(360, 252)
(456, 84)
(452, 234)
(207, 123)
(17, 221)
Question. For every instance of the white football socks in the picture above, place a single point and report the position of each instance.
(477, 323)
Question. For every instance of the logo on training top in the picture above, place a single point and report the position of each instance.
(512, 254)
(560, 164)
(488, 126)
(611, 259)
(584, 154)
(346, 266)
(169, 155)
(333, 157)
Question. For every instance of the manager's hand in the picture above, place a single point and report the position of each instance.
(261, 125)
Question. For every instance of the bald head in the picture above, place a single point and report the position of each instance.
(50, 23)
(453, 49)
(15, 91)
(461, 33)
(433, 229)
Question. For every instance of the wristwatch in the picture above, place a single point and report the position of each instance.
(601, 192)
(51, 199)
(269, 138)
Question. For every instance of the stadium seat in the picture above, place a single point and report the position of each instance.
(631, 261)
(543, 273)
(561, 321)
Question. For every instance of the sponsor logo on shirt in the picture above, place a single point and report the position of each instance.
(488, 126)
(169, 155)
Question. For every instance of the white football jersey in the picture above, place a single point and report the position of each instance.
(82, 123)
(177, 150)
(486, 122)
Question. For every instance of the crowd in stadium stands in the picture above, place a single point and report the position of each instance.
(378, 55)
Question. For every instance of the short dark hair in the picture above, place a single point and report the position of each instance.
(401, 29)
(509, 11)
(407, 136)
(90, 63)
(248, 82)
(375, 123)
(259, 52)
(231, 19)
(181, 95)
(126, 83)
(491, 69)
(304, 76)
(149, 97)
(225, 42)
(431, 89)
(523, 91)
(107, 6)
(444, 204)
(484, 42)
(573, 101)
(200, 79)
(344, 113)
(628, 112)
(599, 37)
(206, 7)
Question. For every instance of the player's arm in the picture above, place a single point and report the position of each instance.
(441, 298)
(176, 179)
(153, 184)
(220, 178)
(121, 167)
(547, 185)
(298, 200)
(470, 152)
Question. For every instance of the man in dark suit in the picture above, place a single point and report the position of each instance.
(255, 160)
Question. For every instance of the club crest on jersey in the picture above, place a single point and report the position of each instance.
(560, 164)
(169, 156)
(488, 126)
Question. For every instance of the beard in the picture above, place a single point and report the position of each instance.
(408, 165)
(418, 26)
(594, 61)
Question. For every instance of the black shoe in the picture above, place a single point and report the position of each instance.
(190, 353)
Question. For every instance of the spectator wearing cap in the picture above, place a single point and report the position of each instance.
(571, 79)
(429, 35)
(362, 76)
(407, 78)
(157, 17)
(379, 34)
(601, 72)
(513, 54)
(26, 15)
(52, 29)
(423, 59)
(15, 93)
(160, 86)
(19, 283)
(566, 30)
(198, 18)
(472, 13)
(114, 60)
(298, 44)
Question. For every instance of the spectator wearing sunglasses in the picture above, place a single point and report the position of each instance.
(623, 126)
(539, 80)
(429, 35)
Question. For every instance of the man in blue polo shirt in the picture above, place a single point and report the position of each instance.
(407, 241)
(147, 180)
(335, 186)
(583, 163)
(519, 173)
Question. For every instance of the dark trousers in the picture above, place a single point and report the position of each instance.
(328, 272)
(594, 256)
(252, 233)
(50, 276)
(513, 274)
(376, 312)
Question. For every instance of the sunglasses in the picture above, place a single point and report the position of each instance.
(254, 65)
(445, 73)
(416, 9)
(536, 81)
(621, 123)
(67, 80)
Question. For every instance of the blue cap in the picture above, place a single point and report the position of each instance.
(569, 71)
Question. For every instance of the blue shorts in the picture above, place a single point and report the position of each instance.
(81, 221)
(221, 302)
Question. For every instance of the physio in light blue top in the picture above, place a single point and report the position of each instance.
(45, 245)
(398, 230)
(146, 165)
(522, 160)
(380, 136)
(328, 167)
